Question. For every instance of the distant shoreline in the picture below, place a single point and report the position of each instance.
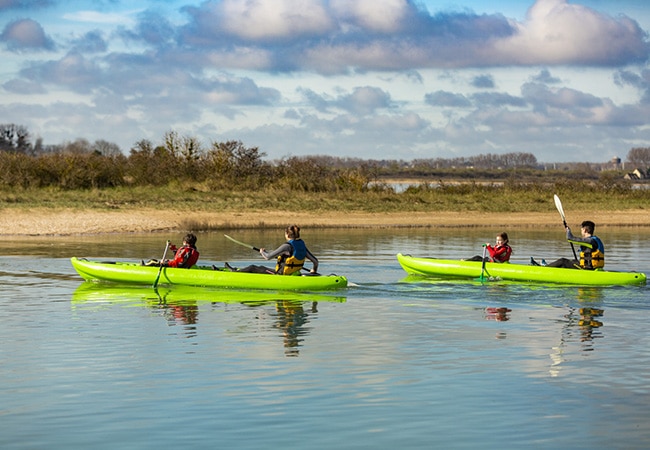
(47, 222)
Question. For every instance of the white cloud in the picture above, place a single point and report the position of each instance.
(556, 32)
(340, 36)
(125, 18)
(270, 19)
(383, 16)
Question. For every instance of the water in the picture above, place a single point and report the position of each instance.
(384, 364)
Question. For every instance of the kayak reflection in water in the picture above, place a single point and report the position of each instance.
(290, 256)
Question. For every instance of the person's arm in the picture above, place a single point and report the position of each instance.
(498, 253)
(167, 262)
(569, 235)
(313, 260)
(586, 242)
(284, 248)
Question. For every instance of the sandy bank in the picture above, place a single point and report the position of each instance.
(43, 222)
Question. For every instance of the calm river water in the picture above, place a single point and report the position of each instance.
(384, 364)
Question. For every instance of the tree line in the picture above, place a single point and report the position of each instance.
(231, 165)
(177, 160)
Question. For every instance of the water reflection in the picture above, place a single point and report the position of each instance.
(579, 326)
(500, 314)
(79, 373)
(589, 315)
(185, 315)
(180, 305)
(292, 319)
(588, 323)
(91, 292)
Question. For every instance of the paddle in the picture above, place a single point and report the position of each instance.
(483, 262)
(485, 275)
(155, 283)
(558, 205)
(243, 244)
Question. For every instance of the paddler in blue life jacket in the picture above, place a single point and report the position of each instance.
(290, 256)
(592, 250)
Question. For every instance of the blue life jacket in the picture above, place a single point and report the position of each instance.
(288, 265)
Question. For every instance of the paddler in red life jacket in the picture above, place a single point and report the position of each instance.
(500, 253)
(185, 256)
(290, 256)
(592, 249)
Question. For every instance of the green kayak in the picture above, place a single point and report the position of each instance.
(448, 268)
(133, 273)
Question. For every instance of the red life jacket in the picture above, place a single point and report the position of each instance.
(500, 253)
(185, 257)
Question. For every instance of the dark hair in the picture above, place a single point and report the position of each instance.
(190, 239)
(293, 231)
(589, 226)
(504, 236)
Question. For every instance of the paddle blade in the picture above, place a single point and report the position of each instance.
(558, 205)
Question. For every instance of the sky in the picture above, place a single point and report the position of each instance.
(371, 79)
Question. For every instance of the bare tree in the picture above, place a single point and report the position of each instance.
(106, 148)
(14, 138)
(79, 146)
(639, 157)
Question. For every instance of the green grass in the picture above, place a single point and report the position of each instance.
(470, 197)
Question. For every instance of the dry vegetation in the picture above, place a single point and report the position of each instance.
(84, 188)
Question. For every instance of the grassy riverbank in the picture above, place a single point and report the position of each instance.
(509, 198)
(47, 211)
